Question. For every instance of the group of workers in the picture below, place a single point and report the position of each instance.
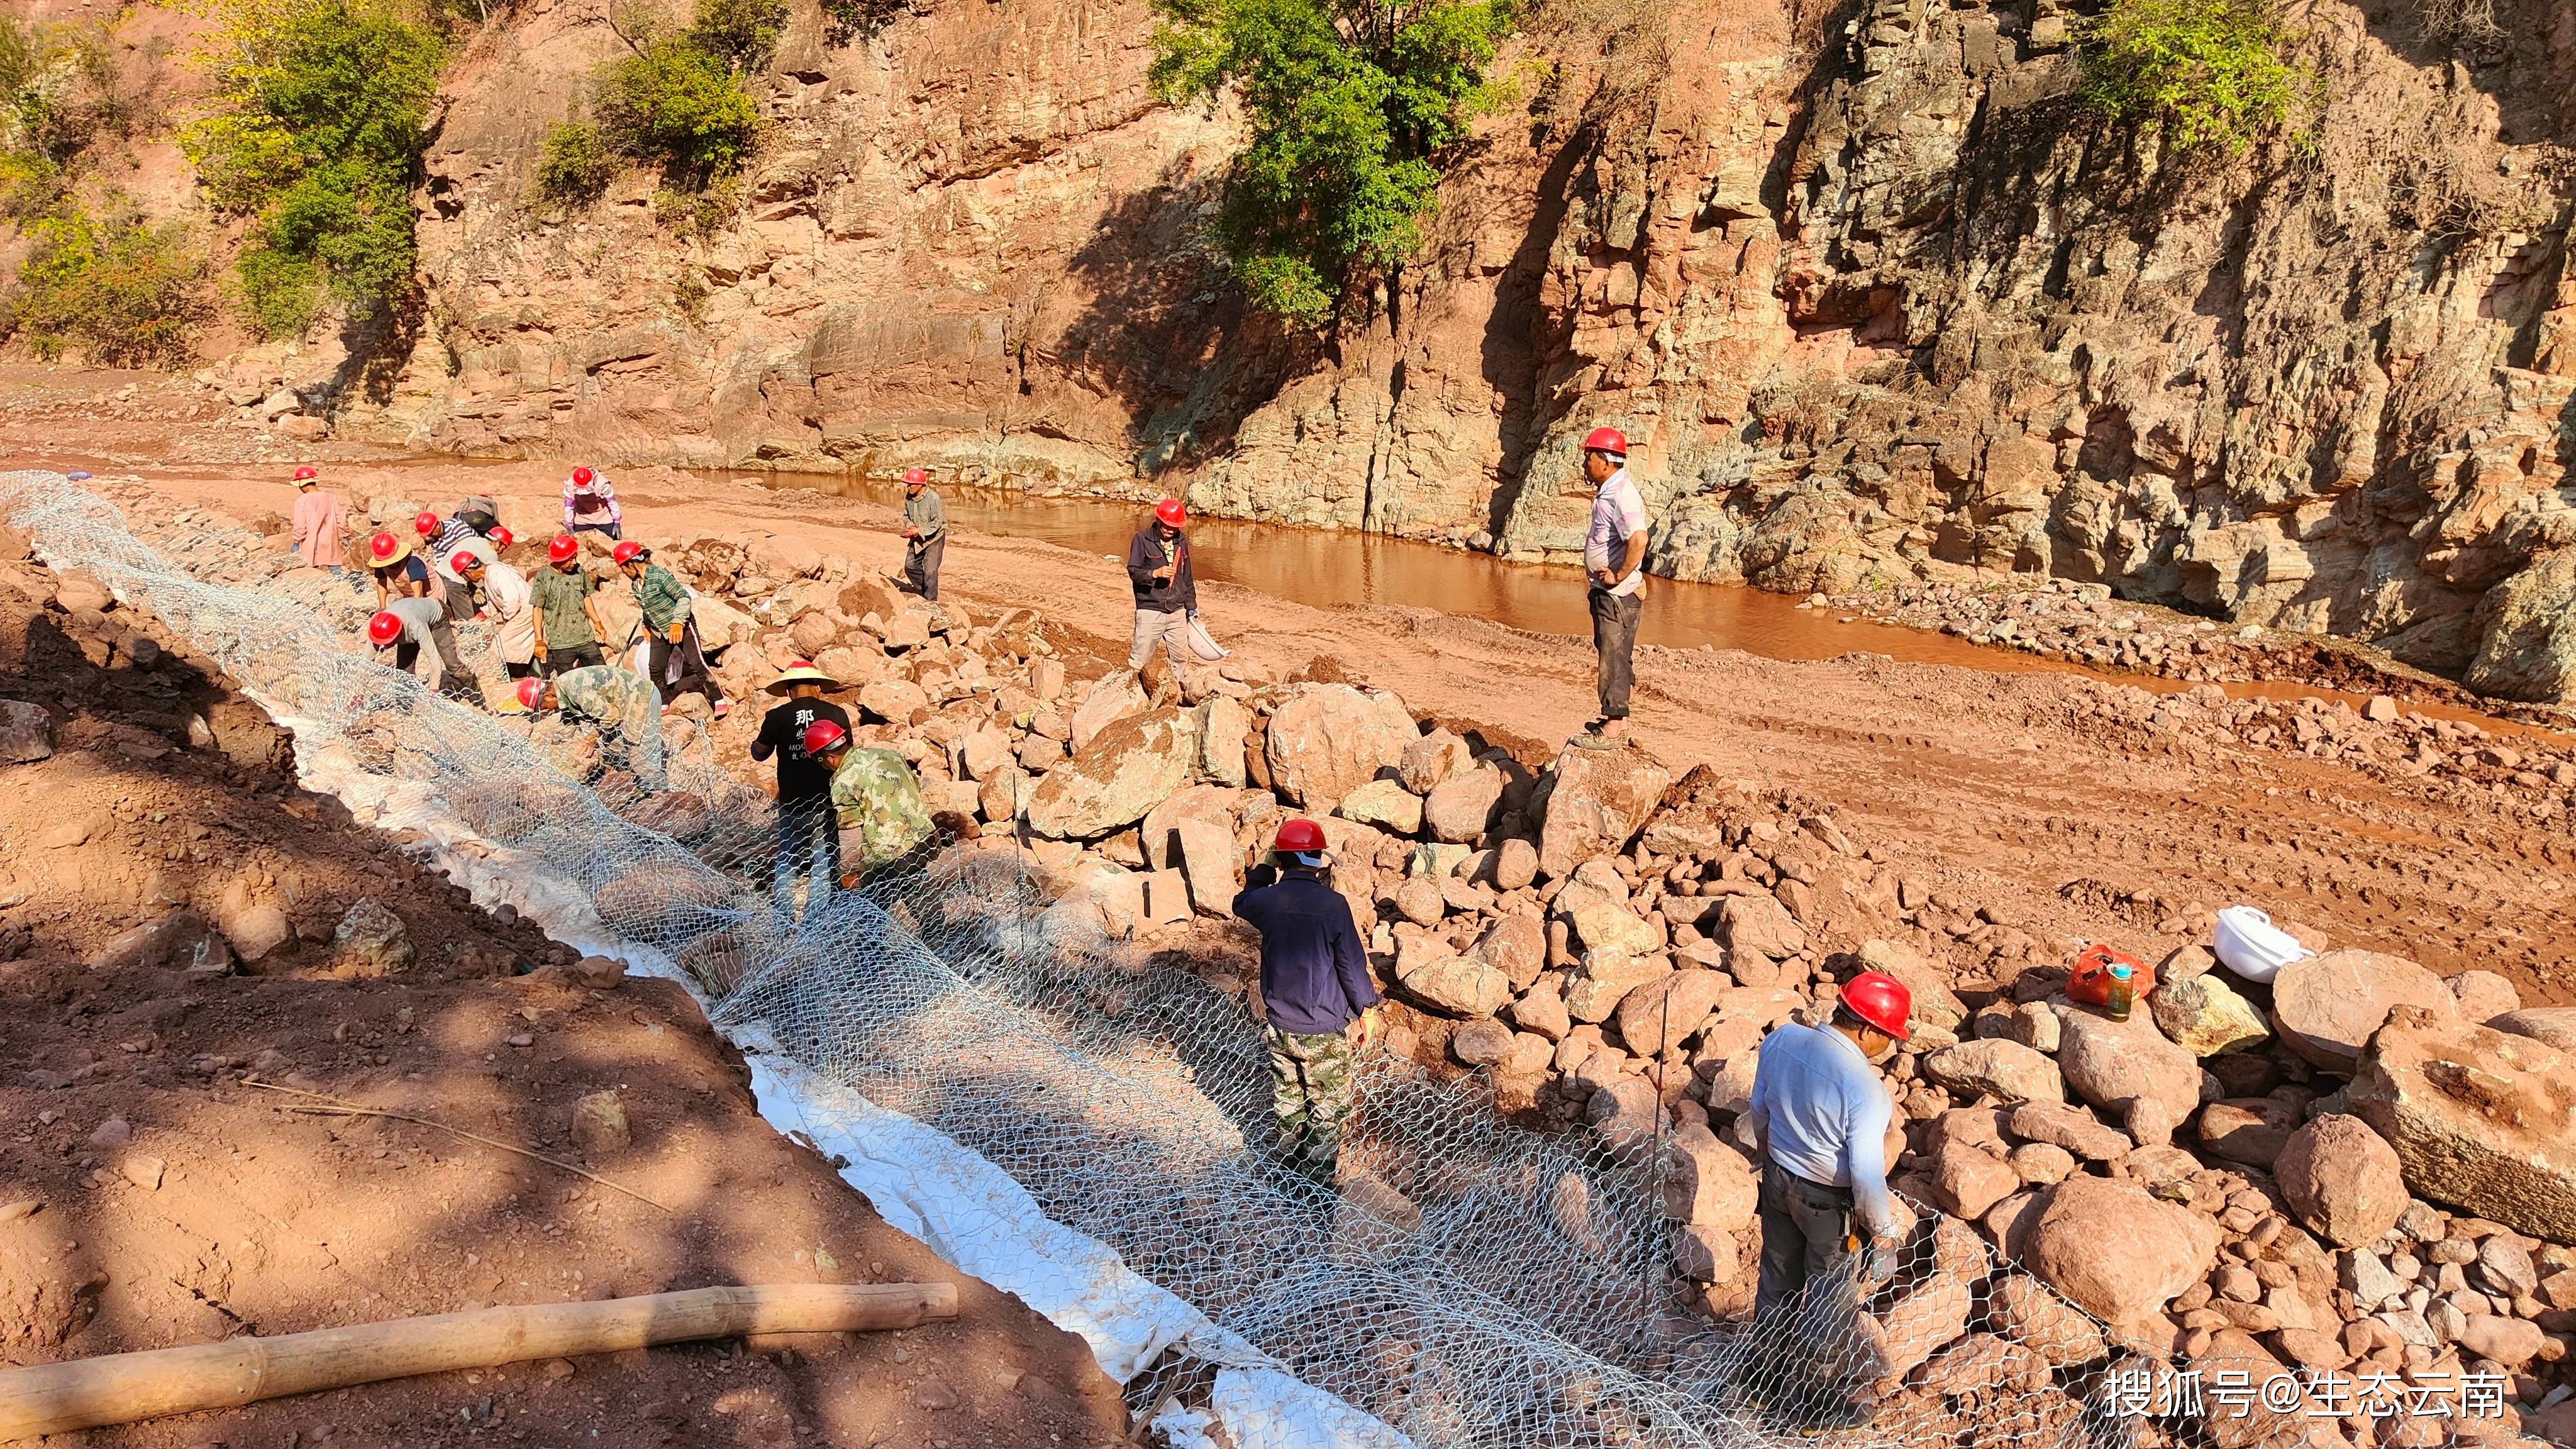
(1818, 1114)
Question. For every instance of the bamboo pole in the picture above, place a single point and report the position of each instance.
(122, 1388)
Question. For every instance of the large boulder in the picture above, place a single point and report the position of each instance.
(1968, 1180)
(2250, 1130)
(1114, 696)
(1457, 985)
(2117, 1252)
(2342, 1179)
(1213, 805)
(2113, 1064)
(1516, 945)
(182, 939)
(1707, 1182)
(1461, 807)
(2037, 1319)
(2482, 996)
(1758, 926)
(1225, 727)
(1603, 925)
(1596, 799)
(2480, 1118)
(1996, 1068)
(27, 733)
(1431, 759)
(1385, 804)
(1934, 1004)
(1133, 765)
(1209, 861)
(1654, 1018)
(1327, 740)
(2205, 1017)
(1602, 982)
(2554, 1025)
(2526, 632)
(2071, 1128)
(2326, 1007)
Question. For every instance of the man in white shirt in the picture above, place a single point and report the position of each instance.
(1614, 557)
(1821, 1117)
(505, 601)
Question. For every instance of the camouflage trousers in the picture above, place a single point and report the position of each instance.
(1310, 1093)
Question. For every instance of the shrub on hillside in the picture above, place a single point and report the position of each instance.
(1353, 106)
(125, 293)
(576, 165)
(322, 111)
(680, 107)
(741, 33)
(2210, 72)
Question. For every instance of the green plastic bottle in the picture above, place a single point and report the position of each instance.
(2121, 995)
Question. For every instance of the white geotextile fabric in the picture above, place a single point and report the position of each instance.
(921, 1181)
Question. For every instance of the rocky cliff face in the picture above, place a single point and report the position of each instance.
(1871, 292)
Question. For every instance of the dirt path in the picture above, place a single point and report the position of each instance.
(150, 1195)
(2059, 804)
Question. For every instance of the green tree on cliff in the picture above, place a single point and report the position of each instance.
(1353, 106)
(322, 110)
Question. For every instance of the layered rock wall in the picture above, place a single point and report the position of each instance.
(1872, 292)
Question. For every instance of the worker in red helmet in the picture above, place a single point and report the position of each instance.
(405, 625)
(1614, 558)
(590, 502)
(1820, 1116)
(320, 519)
(876, 804)
(566, 598)
(675, 663)
(506, 607)
(1167, 588)
(925, 534)
(1320, 1005)
(619, 703)
(400, 572)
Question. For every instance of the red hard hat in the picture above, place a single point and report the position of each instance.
(822, 736)
(1881, 1000)
(532, 693)
(384, 548)
(461, 560)
(1606, 440)
(564, 547)
(582, 476)
(916, 475)
(1299, 835)
(501, 537)
(1170, 511)
(625, 553)
(384, 628)
(303, 473)
(426, 523)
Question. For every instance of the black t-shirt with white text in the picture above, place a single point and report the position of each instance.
(783, 730)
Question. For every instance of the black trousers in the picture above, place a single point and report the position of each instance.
(808, 833)
(1614, 638)
(556, 661)
(691, 677)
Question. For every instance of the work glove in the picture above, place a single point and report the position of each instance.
(1877, 1259)
(1260, 875)
(674, 633)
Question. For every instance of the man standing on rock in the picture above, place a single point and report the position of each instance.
(1614, 556)
(807, 834)
(1821, 1116)
(925, 534)
(620, 703)
(569, 626)
(668, 625)
(320, 520)
(1316, 993)
(1167, 589)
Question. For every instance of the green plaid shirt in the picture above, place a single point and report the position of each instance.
(659, 595)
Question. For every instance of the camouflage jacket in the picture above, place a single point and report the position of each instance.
(618, 700)
(874, 793)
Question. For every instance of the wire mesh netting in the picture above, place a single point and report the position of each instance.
(1470, 1283)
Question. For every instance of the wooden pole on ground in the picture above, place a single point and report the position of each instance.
(122, 1388)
